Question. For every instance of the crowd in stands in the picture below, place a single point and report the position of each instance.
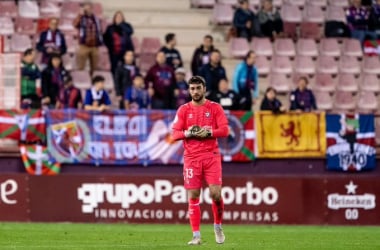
(164, 84)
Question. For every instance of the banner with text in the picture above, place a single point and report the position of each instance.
(141, 137)
(290, 135)
(350, 142)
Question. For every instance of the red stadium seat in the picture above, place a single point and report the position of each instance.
(347, 82)
(324, 100)
(146, 61)
(304, 65)
(291, 13)
(66, 26)
(282, 64)
(6, 26)
(222, 14)
(262, 46)
(284, 47)
(370, 82)
(202, 3)
(238, 47)
(20, 42)
(298, 3)
(352, 47)
(108, 84)
(335, 13)
(150, 45)
(136, 45)
(70, 9)
(280, 82)
(263, 65)
(290, 30)
(277, 3)
(313, 14)
(28, 9)
(69, 61)
(8, 9)
(349, 64)
(339, 3)
(371, 65)
(327, 64)
(25, 25)
(81, 79)
(320, 3)
(344, 100)
(49, 9)
(310, 30)
(307, 47)
(324, 82)
(367, 102)
(329, 47)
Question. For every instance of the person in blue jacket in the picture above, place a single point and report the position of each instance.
(245, 81)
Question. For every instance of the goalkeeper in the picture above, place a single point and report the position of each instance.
(199, 123)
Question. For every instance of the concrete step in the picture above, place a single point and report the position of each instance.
(159, 5)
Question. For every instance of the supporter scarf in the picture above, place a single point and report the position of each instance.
(57, 39)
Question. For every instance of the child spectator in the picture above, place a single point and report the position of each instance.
(270, 20)
(118, 39)
(245, 21)
(69, 96)
(181, 92)
(201, 54)
(160, 82)
(30, 81)
(137, 97)
(245, 81)
(271, 103)
(52, 80)
(213, 72)
(90, 37)
(302, 99)
(96, 97)
(51, 41)
(225, 96)
(173, 57)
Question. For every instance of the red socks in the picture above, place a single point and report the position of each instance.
(194, 214)
(217, 209)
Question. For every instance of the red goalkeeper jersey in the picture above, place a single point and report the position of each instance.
(211, 116)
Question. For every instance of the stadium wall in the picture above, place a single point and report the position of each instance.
(265, 192)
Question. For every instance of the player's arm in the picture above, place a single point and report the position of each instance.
(221, 129)
(179, 131)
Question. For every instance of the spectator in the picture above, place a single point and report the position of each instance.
(136, 96)
(245, 21)
(213, 72)
(271, 103)
(30, 81)
(201, 54)
(375, 18)
(270, 20)
(160, 82)
(69, 96)
(118, 39)
(302, 99)
(226, 97)
(52, 80)
(181, 92)
(90, 37)
(245, 81)
(173, 57)
(358, 21)
(96, 97)
(51, 41)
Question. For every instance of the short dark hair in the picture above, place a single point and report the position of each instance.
(270, 89)
(249, 54)
(28, 52)
(67, 78)
(304, 78)
(197, 80)
(169, 37)
(97, 79)
(209, 37)
(138, 76)
(216, 51)
(243, 1)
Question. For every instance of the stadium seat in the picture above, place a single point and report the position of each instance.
(313, 14)
(66, 26)
(202, 3)
(352, 47)
(262, 46)
(136, 45)
(255, 4)
(108, 84)
(71, 43)
(324, 82)
(263, 65)
(20, 42)
(49, 9)
(280, 82)
(320, 3)
(370, 82)
(97, 9)
(146, 61)
(290, 30)
(28, 9)
(349, 64)
(69, 61)
(347, 82)
(229, 2)
(371, 65)
(70, 9)
(307, 47)
(329, 47)
(323, 100)
(150, 45)
(304, 65)
(344, 100)
(277, 3)
(81, 78)
(6, 26)
(25, 25)
(310, 30)
(282, 64)
(298, 3)
(291, 13)
(327, 64)
(222, 14)
(284, 47)
(238, 47)
(104, 63)
(339, 3)
(8, 9)
(367, 102)
(335, 13)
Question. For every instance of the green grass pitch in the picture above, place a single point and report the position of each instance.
(131, 236)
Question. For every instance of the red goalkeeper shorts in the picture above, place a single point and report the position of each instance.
(209, 169)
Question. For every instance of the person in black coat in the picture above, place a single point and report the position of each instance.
(173, 56)
(213, 72)
(52, 80)
(271, 103)
(118, 39)
(225, 96)
(302, 99)
(245, 21)
(201, 54)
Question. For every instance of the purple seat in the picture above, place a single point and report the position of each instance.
(150, 45)
(371, 65)
(263, 65)
(339, 3)
(25, 25)
(344, 100)
(6, 26)
(349, 64)
(222, 14)
(370, 82)
(323, 100)
(324, 82)
(81, 79)
(367, 101)
(29, 9)
(307, 47)
(282, 64)
(239, 47)
(280, 82)
(8, 9)
(49, 9)
(291, 13)
(352, 47)
(347, 82)
(202, 3)
(335, 13)
(70, 9)
(262, 46)
(313, 14)
(108, 83)
(327, 65)
(20, 42)
(304, 65)
(284, 47)
(329, 47)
